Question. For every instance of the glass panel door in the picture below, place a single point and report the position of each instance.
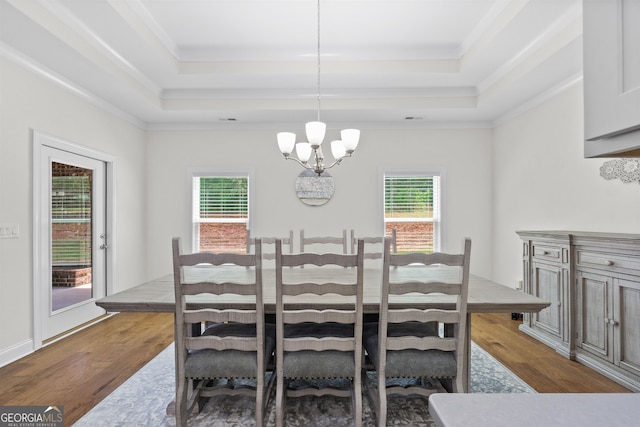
(71, 235)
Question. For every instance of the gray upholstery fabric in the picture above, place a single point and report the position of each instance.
(318, 330)
(318, 364)
(229, 363)
(410, 363)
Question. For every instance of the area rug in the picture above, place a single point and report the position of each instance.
(143, 398)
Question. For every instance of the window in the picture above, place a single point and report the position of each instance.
(220, 213)
(70, 215)
(412, 208)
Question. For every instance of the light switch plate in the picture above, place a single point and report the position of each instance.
(9, 231)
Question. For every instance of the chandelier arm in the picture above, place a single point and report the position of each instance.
(336, 162)
(305, 165)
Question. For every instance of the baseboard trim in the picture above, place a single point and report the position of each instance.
(16, 352)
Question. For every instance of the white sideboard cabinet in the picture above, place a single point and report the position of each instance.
(593, 283)
(611, 58)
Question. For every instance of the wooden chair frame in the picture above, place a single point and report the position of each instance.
(324, 240)
(453, 341)
(373, 241)
(288, 342)
(190, 342)
(288, 241)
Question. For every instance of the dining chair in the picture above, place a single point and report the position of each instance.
(373, 245)
(286, 241)
(407, 343)
(237, 344)
(323, 341)
(331, 241)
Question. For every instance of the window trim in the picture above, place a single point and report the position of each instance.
(439, 210)
(214, 172)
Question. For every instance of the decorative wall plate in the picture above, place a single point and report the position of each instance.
(625, 169)
(314, 190)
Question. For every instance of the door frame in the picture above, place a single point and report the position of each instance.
(41, 140)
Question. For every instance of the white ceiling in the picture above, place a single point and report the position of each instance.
(253, 63)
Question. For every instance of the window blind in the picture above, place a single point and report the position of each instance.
(409, 197)
(221, 213)
(71, 218)
(223, 197)
(411, 208)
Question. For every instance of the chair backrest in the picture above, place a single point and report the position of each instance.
(374, 246)
(189, 282)
(286, 241)
(324, 287)
(341, 241)
(438, 273)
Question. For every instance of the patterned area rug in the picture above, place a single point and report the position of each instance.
(143, 398)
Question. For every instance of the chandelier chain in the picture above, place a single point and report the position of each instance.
(310, 153)
(318, 59)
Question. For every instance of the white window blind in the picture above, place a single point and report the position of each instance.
(412, 208)
(71, 216)
(221, 213)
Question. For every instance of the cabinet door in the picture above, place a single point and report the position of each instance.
(611, 34)
(627, 324)
(546, 283)
(594, 309)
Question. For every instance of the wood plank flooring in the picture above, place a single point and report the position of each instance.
(538, 365)
(79, 371)
(82, 369)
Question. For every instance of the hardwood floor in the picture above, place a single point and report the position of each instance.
(81, 370)
(538, 365)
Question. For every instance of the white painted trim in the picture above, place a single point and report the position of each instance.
(16, 352)
(40, 140)
(562, 23)
(86, 33)
(212, 171)
(37, 68)
(427, 170)
(539, 99)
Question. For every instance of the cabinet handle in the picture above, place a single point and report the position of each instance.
(613, 322)
(600, 261)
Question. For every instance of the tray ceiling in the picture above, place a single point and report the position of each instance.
(252, 63)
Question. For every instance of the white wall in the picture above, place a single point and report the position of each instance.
(541, 181)
(463, 155)
(29, 102)
(527, 173)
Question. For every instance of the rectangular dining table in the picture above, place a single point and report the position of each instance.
(485, 296)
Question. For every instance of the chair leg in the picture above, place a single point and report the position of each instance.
(181, 404)
(381, 409)
(357, 404)
(280, 394)
(259, 405)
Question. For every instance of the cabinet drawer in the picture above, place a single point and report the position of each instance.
(546, 252)
(608, 261)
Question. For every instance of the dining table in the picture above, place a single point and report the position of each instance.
(485, 296)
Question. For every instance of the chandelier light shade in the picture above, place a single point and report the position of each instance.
(309, 154)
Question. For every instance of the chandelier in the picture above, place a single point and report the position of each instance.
(310, 153)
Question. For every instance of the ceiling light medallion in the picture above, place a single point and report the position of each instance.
(315, 131)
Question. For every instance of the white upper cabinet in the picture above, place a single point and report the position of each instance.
(611, 77)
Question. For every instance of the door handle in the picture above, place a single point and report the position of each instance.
(104, 243)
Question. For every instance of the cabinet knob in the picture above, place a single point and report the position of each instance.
(613, 322)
